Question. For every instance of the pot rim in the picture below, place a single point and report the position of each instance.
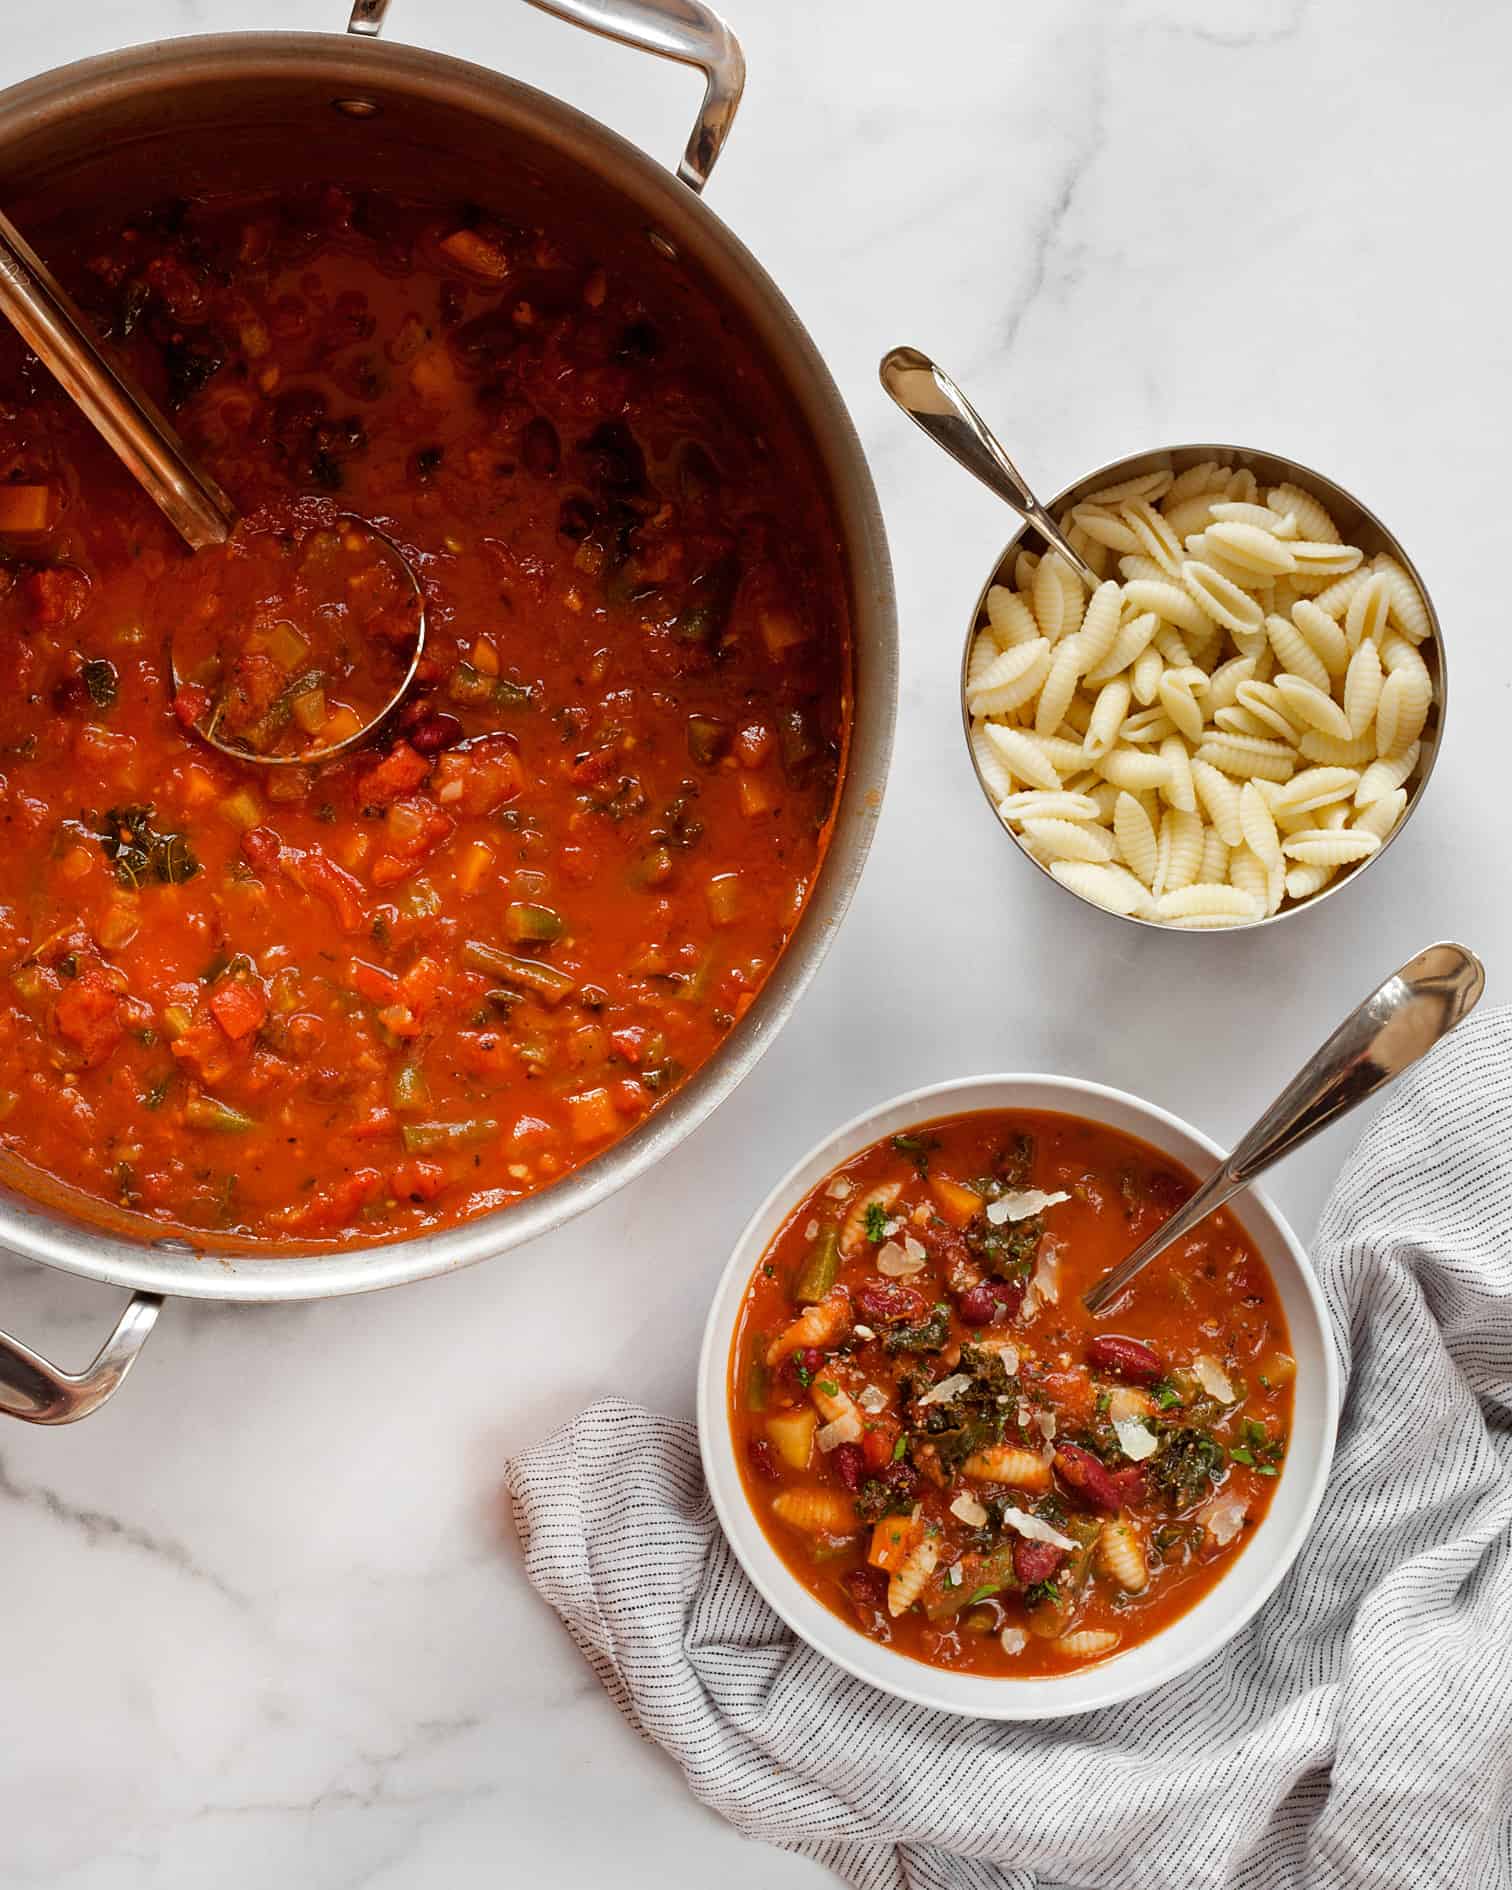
(677, 216)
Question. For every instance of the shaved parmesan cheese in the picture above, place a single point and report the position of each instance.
(953, 1575)
(1013, 1640)
(1213, 1378)
(811, 1232)
(863, 1332)
(1022, 1414)
(1223, 1517)
(1044, 1283)
(839, 1188)
(1019, 1206)
(947, 1389)
(872, 1399)
(896, 1263)
(1046, 1422)
(1035, 1530)
(893, 1226)
(844, 1430)
(969, 1510)
(1000, 1348)
(1135, 1439)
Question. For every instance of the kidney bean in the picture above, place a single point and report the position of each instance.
(877, 1447)
(1035, 1561)
(1131, 1483)
(867, 1589)
(989, 1301)
(888, 1302)
(850, 1465)
(434, 731)
(1128, 1358)
(764, 1460)
(1087, 1475)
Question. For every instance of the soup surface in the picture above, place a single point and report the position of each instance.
(947, 1450)
(416, 983)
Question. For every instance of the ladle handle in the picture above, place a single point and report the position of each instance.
(130, 424)
(931, 399)
(1395, 1026)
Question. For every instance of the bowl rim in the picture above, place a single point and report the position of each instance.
(1109, 1682)
(1130, 465)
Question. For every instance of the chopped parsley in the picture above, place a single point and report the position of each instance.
(1037, 1592)
(876, 1222)
(1165, 1394)
(900, 1449)
(141, 853)
(981, 1594)
(829, 1388)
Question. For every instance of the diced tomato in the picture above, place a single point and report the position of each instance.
(374, 983)
(401, 770)
(420, 983)
(341, 892)
(480, 778)
(191, 703)
(88, 1013)
(239, 1007)
(381, 1122)
(57, 593)
(261, 847)
(629, 1097)
(629, 1042)
(417, 1180)
(333, 1206)
(485, 1052)
(595, 767)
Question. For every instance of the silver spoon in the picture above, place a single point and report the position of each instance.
(932, 400)
(1386, 1035)
(140, 436)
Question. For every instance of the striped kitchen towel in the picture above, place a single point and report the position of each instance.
(1358, 1733)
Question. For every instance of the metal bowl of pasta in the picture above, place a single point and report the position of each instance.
(1242, 716)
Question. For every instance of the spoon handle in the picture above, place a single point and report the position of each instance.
(132, 427)
(932, 400)
(1386, 1035)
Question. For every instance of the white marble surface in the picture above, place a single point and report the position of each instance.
(261, 1620)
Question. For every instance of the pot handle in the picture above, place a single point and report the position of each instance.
(36, 1391)
(684, 30)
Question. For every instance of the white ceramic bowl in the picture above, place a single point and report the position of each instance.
(1193, 1636)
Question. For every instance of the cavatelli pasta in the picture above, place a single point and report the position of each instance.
(817, 1512)
(1011, 1464)
(1240, 707)
(906, 1583)
(1085, 1643)
(1121, 1557)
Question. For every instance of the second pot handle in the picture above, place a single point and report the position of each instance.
(685, 30)
(33, 1389)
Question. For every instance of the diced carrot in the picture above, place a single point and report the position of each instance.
(476, 859)
(24, 508)
(780, 630)
(629, 1097)
(239, 1008)
(401, 769)
(629, 1041)
(592, 1116)
(957, 1205)
(891, 1540)
(753, 744)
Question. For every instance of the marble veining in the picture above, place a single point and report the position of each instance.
(262, 1620)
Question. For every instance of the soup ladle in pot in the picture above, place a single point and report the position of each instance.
(140, 436)
(1395, 1026)
(931, 399)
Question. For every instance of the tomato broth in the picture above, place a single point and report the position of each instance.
(947, 1450)
(385, 994)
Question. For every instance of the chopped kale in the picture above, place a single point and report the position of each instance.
(1186, 1467)
(101, 682)
(141, 853)
(931, 1334)
(1006, 1252)
(890, 1493)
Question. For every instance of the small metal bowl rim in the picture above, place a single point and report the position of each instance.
(1130, 466)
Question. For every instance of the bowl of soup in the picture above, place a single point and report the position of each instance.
(949, 1478)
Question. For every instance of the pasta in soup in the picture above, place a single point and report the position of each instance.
(946, 1449)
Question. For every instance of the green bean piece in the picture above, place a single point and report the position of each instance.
(425, 1138)
(408, 1089)
(527, 974)
(820, 1268)
(205, 1112)
(529, 924)
(706, 739)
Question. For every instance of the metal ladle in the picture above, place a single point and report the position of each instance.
(932, 400)
(1387, 1034)
(139, 435)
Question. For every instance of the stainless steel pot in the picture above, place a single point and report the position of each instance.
(204, 110)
